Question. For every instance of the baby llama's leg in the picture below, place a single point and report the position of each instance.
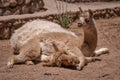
(26, 56)
(75, 51)
(91, 59)
(15, 59)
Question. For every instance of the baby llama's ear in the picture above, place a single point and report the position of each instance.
(90, 13)
(80, 10)
(55, 46)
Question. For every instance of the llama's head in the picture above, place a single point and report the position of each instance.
(67, 60)
(61, 58)
(84, 17)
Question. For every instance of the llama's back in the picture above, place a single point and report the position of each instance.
(61, 38)
(33, 28)
(42, 26)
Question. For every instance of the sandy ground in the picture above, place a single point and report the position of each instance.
(107, 69)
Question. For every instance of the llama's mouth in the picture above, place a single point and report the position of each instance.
(80, 24)
(81, 21)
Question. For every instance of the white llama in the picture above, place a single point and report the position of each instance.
(45, 33)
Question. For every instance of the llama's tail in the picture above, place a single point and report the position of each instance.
(101, 51)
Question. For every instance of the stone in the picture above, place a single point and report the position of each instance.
(7, 12)
(13, 3)
(27, 1)
(25, 10)
(33, 7)
(6, 4)
(1, 12)
(19, 2)
(41, 4)
(17, 12)
(13, 7)
(6, 33)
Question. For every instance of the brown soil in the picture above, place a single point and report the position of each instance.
(107, 69)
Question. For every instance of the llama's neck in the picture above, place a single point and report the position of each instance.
(90, 38)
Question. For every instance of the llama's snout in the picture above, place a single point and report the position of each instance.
(81, 21)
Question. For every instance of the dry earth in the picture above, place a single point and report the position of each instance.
(107, 69)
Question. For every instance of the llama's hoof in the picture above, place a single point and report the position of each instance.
(29, 63)
(79, 68)
(9, 65)
(96, 59)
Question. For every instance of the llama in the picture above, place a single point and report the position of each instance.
(27, 54)
(67, 41)
(62, 59)
(28, 31)
(33, 28)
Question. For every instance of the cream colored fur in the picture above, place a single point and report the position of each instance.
(62, 59)
(45, 33)
(33, 28)
(27, 53)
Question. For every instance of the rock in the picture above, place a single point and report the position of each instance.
(13, 3)
(34, 7)
(19, 2)
(7, 12)
(9, 7)
(25, 10)
(6, 33)
(27, 1)
(1, 12)
(1, 24)
(41, 4)
(6, 4)
(17, 12)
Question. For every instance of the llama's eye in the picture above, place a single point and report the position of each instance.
(87, 20)
(70, 62)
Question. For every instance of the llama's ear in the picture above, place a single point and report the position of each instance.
(55, 46)
(90, 12)
(80, 10)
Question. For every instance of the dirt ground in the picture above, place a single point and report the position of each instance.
(107, 69)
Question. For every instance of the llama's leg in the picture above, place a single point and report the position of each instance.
(101, 51)
(11, 62)
(52, 60)
(45, 58)
(15, 59)
(91, 59)
(82, 63)
(48, 64)
(76, 52)
(19, 59)
(29, 63)
(55, 59)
